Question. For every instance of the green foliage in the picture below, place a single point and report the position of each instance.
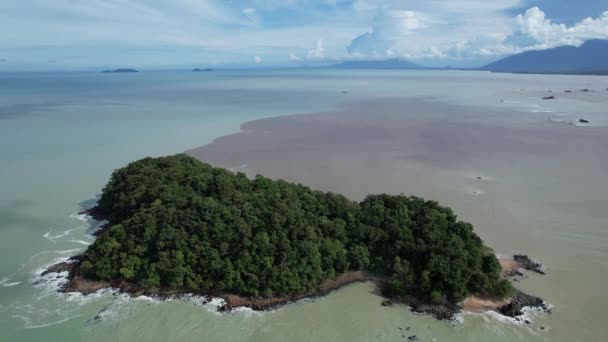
(176, 222)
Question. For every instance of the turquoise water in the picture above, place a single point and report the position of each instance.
(62, 134)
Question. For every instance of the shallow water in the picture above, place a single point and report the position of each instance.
(61, 135)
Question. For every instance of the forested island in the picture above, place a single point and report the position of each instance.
(123, 70)
(177, 225)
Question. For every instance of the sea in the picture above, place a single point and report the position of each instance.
(62, 135)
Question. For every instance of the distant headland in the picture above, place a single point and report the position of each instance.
(198, 69)
(123, 70)
(177, 225)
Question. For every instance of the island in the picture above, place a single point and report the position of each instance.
(198, 69)
(119, 71)
(176, 225)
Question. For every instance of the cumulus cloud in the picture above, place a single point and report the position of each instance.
(449, 33)
(462, 32)
(389, 28)
(317, 52)
(538, 32)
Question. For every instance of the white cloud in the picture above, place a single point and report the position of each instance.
(538, 32)
(464, 30)
(183, 32)
(257, 59)
(390, 27)
(317, 52)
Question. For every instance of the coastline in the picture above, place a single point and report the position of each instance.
(323, 135)
(510, 307)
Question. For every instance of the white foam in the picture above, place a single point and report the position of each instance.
(5, 282)
(527, 313)
(216, 303)
(457, 320)
(82, 299)
(29, 325)
(245, 311)
(49, 236)
(82, 242)
(80, 217)
(98, 225)
(148, 299)
(68, 251)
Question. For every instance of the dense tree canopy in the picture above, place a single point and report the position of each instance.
(179, 223)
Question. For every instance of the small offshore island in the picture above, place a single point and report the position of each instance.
(118, 71)
(177, 225)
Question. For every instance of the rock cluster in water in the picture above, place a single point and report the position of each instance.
(519, 301)
(528, 264)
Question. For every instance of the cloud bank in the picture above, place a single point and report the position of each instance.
(420, 35)
(197, 32)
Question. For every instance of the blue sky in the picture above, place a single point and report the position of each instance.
(93, 34)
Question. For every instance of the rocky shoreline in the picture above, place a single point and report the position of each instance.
(512, 307)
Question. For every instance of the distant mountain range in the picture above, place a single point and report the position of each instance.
(379, 64)
(589, 58)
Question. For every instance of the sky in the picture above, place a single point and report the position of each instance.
(155, 34)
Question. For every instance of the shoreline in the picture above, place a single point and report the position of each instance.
(509, 307)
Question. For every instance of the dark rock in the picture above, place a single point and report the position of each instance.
(344, 92)
(515, 274)
(584, 90)
(198, 69)
(527, 322)
(413, 338)
(96, 213)
(99, 314)
(567, 91)
(583, 121)
(549, 98)
(542, 328)
(519, 301)
(67, 266)
(387, 302)
(529, 264)
(444, 311)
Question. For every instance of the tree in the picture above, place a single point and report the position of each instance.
(176, 222)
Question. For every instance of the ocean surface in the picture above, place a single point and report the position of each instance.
(62, 134)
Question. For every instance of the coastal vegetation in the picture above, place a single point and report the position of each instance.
(175, 222)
